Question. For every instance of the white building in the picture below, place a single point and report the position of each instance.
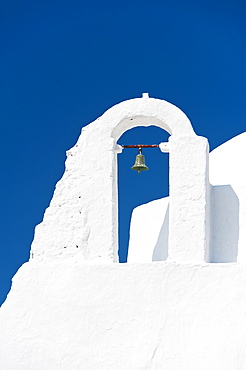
(73, 306)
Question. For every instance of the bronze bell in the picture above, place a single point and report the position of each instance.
(140, 162)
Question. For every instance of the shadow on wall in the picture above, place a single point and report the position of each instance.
(150, 225)
(224, 227)
(225, 224)
(160, 252)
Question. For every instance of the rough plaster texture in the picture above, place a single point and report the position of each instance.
(82, 218)
(228, 178)
(189, 191)
(125, 316)
(70, 307)
(227, 207)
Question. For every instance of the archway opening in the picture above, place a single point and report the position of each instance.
(134, 189)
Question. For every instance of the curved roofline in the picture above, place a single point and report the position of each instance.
(147, 111)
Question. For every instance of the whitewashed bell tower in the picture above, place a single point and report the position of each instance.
(82, 219)
(73, 306)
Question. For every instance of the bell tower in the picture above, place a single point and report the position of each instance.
(82, 219)
(72, 307)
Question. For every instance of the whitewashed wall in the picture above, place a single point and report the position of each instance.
(228, 212)
(70, 307)
(154, 316)
(82, 219)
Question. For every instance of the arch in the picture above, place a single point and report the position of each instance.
(82, 219)
(134, 190)
(148, 112)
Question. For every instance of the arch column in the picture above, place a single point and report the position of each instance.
(189, 213)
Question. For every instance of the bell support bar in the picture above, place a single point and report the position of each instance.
(140, 146)
(164, 147)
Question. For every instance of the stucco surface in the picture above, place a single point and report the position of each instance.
(229, 200)
(71, 307)
(149, 232)
(125, 316)
(227, 211)
(227, 162)
(82, 218)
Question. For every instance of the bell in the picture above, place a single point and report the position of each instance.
(140, 162)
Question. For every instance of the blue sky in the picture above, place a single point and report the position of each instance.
(63, 63)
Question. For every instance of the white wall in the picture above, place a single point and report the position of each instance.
(149, 232)
(152, 316)
(228, 177)
(82, 219)
(228, 210)
(70, 307)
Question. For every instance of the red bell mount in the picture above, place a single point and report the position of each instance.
(139, 146)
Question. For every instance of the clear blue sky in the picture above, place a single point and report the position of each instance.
(64, 62)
